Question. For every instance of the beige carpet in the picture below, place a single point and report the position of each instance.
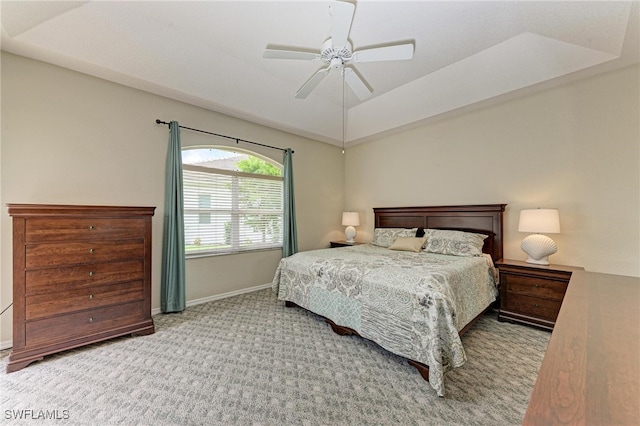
(248, 360)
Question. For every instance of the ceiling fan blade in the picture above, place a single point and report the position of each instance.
(315, 79)
(289, 54)
(357, 85)
(342, 14)
(388, 53)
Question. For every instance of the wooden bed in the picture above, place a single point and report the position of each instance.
(482, 219)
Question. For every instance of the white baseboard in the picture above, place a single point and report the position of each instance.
(219, 296)
(9, 344)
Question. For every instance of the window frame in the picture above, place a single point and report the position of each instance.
(234, 211)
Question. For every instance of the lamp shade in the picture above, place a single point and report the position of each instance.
(350, 219)
(540, 221)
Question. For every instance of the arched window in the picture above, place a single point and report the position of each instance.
(232, 201)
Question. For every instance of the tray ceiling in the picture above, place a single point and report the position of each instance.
(209, 53)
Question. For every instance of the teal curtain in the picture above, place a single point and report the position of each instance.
(290, 237)
(172, 284)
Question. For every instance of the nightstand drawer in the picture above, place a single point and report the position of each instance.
(535, 287)
(545, 309)
(532, 294)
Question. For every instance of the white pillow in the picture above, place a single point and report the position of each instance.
(413, 244)
(384, 237)
(456, 243)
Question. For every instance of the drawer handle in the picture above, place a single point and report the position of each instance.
(537, 305)
(90, 319)
(92, 250)
(91, 296)
(537, 286)
(91, 227)
(91, 273)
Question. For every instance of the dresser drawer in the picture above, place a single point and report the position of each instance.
(83, 324)
(45, 305)
(545, 309)
(48, 229)
(55, 280)
(533, 286)
(62, 253)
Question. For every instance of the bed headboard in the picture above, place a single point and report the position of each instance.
(482, 219)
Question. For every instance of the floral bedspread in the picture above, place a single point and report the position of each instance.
(412, 304)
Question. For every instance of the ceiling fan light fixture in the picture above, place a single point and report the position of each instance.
(337, 52)
(330, 53)
(336, 63)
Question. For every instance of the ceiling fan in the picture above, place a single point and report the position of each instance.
(336, 53)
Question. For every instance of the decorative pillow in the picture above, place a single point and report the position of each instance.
(384, 237)
(456, 243)
(414, 244)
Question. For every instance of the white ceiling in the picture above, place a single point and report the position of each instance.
(209, 53)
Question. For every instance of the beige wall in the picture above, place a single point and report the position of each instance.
(71, 138)
(575, 147)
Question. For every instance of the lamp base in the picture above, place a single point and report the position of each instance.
(350, 234)
(543, 261)
(538, 247)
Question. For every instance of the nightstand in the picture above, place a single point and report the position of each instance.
(343, 243)
(532, 294)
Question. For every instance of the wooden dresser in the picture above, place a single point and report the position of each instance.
(81, 274)
(590, 374)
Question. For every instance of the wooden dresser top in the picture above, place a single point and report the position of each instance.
(591, 370)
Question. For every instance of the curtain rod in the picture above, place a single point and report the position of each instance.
(223, 136)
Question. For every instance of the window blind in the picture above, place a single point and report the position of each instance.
(227, 211)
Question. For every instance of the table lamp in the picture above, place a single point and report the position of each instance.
(537, 246)
(350, 219)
